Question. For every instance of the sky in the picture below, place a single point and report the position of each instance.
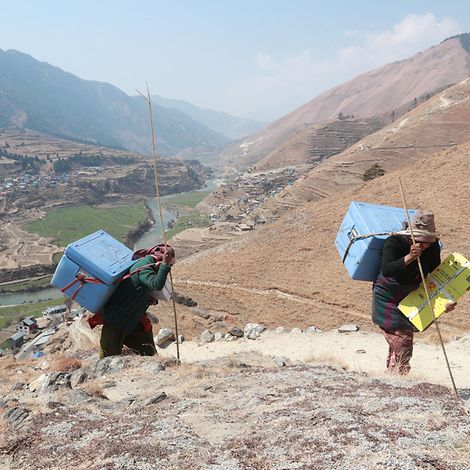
(257, 59)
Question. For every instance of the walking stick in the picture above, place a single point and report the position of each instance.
(427, 292)
(157, 192)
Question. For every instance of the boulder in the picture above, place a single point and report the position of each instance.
(180, 339)
(16, 416)
(281, 361)
(108, 365)
(312, 329)
(253, 330)
(280, 330)
(46, 383)
(296, 331)
(78, 377)
(184, 300)
(37, 383)
(207, 336)
(219, 336)
(155, 399)
(164, 337)
(201, 313)
(217, 317)
(235, 331)
(78, 396)
(229, 337)
(348, 329)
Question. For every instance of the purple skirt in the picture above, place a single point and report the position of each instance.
(387, 293)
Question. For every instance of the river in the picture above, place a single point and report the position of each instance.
(151, 238)
(51, 293)
(154, 235)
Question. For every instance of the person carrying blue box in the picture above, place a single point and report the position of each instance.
(399, 275)
(123, 317)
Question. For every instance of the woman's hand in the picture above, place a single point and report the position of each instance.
(168, 259)
(415, 253)
(450, 306)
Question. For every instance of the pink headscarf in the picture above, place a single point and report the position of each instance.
(156, 251)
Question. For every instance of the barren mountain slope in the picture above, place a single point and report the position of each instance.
(231, 414)
(319, 141)
(378, 91)
(439, 123)
(289, 273)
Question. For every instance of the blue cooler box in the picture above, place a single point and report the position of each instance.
(90, 267)
(364, 258)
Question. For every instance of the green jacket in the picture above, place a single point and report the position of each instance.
(131, 299)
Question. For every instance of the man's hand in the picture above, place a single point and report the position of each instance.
(168, 259)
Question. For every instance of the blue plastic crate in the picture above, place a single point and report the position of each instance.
(364, 257)
(90, 267)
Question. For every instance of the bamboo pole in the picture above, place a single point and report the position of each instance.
(436, 323)
(157, 192)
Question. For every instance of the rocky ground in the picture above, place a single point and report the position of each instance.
(241, 410)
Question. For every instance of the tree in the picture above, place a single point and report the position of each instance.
(372, 172)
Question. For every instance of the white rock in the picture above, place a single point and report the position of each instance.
(207, 336)
(229, 337)
(181, 339)
(312, 329)
(296, 331)
(38, 383)
(281, 361)
(253, 335)
(280, 330)
(253, 330)
(164, 336)
(219, 336)
(348, 329)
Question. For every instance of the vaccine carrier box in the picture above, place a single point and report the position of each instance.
(90, 267)
(362, 258)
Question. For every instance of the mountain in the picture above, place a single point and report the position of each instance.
(44, 98)
(439, 123)
(317, 142)
(384, 90)
(230, 126)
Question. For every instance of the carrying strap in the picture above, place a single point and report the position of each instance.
(416, 232)
(82, 279)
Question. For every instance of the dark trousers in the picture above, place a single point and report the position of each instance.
(114, 339)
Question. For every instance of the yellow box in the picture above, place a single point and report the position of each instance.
(447, 283)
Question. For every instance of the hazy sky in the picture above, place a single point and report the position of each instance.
(251, 58)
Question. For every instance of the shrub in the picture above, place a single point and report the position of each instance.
(373, 172)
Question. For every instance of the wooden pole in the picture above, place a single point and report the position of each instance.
(436, 323)
(157, 192)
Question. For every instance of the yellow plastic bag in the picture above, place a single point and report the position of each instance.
(446, 284)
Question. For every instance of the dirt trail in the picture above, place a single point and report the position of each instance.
(360, 352)
(282, 295)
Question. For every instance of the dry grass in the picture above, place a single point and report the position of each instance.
(458, 454)
(8, 363)
(190, 376)
(432, 337)
(327, 359)
(65, 364)
(95, 389)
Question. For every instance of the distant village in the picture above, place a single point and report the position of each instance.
(10, 186)
(247, 192)
(30, 334)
